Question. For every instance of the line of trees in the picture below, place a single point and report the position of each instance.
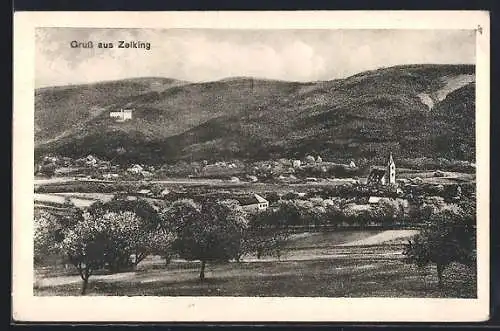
(339, 213)
(118, 235)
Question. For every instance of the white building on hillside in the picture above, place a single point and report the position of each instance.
(253, 203)
(122, 115)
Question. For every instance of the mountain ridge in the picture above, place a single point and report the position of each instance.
(360, 116)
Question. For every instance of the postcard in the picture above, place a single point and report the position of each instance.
(251, 166)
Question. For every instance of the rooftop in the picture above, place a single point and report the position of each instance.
(250, 199)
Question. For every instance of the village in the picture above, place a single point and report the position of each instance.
(256, 185)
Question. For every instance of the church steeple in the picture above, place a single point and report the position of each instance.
(391, 170)
(391, 161)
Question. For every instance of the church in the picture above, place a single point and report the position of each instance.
(383, 175)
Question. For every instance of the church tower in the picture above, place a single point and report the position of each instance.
(391, 171)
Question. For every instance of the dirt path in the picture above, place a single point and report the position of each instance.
(380, 238)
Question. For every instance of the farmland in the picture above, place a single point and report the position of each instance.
(334, 271)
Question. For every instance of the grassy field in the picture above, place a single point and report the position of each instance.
(325, 269)
(325, 278)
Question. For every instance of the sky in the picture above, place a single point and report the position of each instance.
(199, 55)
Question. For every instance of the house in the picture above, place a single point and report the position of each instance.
(439, 173)
(352, 164)
(253, 203)
(375, 199)
(296, 163)
(144, 192)
(50, 159)
(377, 176)
(383, 175)
(135, 169)
(64, 171)
(234, 180)
(164, 192)
(146, 174)
(110, 176)
(416, 180)
(67, 161)
(122, 115)
(90, 160)
(328, 202)
(252, 178)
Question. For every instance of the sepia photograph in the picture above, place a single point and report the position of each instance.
(313, 162)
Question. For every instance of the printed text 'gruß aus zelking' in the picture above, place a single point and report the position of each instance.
(118, 44)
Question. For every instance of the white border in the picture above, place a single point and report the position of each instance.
(26, 307)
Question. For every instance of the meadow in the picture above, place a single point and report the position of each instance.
(313, 265)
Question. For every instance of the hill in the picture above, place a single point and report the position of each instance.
(365, 115)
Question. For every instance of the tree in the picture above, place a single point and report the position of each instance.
(267, 233)
(449, 236)
(385, 213)
(139, 243)
(49, 230)
(46, 236)
(48, 169)
(207, 231)
(334, 214)
(155, 243)
(420, 211)
(98, 240)
(290, 211)
(141, 207)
